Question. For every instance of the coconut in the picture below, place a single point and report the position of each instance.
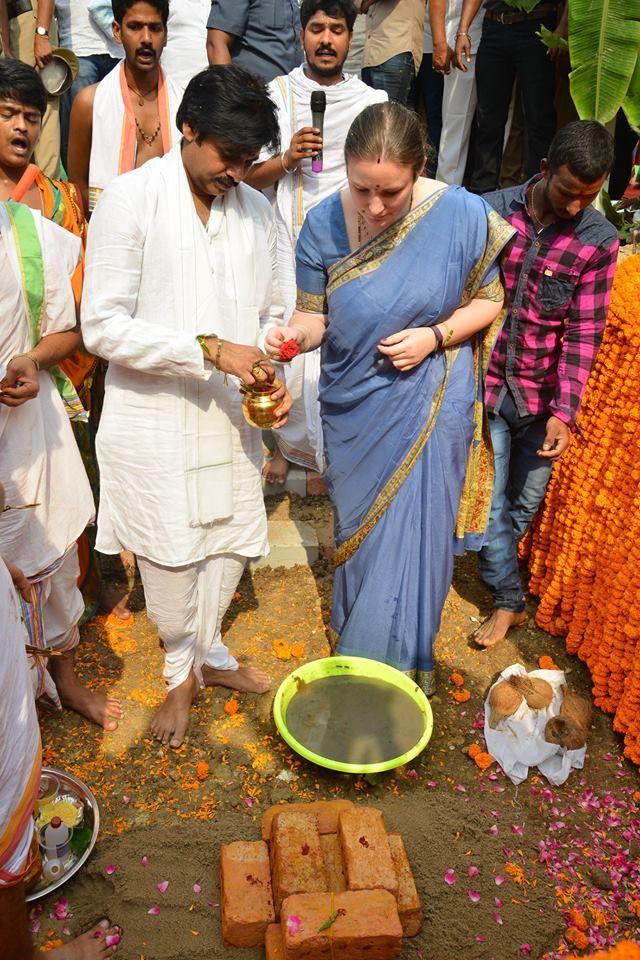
(538, 693)
(503, 702)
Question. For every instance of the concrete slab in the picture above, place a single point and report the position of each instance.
(292, 542)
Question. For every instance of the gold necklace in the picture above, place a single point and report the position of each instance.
(541, 225)
(140, 96)
(364, 234)
(147, 137)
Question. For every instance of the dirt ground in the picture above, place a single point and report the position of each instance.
(521, 858)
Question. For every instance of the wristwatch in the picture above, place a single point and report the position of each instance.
(42, 31)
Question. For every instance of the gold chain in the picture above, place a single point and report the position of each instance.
(147, 137)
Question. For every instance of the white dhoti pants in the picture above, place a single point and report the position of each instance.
(187, 605)
(458, 108)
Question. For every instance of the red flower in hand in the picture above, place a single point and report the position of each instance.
(289, 349)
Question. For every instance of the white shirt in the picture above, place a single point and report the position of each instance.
(186, 51)
(40, 461)
(78, 32)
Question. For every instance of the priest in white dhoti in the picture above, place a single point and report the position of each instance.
(49, 500)
(327, 27)
(178, 296)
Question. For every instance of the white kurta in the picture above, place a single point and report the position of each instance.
(301, 438)
(179, 466)
(40, 462)
(186, 51)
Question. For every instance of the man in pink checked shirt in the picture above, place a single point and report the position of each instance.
(558, 273)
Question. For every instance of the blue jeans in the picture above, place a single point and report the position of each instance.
(91, 69)
(431, 87)
(520, 483)
(394, 76)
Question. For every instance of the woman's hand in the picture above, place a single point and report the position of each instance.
(276, 336)
(408, 348)
(20, 383)
(282, 412)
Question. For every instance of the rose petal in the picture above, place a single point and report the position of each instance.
(480, 939)
(66, 931)
(450, 877)
(493, 830)
(412, 774)
(293, 924)
(525, 949)
(162, 886)
(126, 799)
(497, 902)
(144, 861)
(197, 888)
(474, 896)
(109, 869)
(473, 872)
(499, 879)
(516, 828)
(153, 911)
(112, 939)
(248, 801)
(498, 918)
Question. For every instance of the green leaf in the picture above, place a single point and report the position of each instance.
(551, 39)
(610, 212)
(330, 921)
(80, 840)
(604, 41)
(631, 103)
(526, 5)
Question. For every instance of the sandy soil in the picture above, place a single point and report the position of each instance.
(155, 806)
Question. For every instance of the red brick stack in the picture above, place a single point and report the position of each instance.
(339, 884)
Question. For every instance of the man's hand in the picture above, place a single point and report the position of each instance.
(240, 360)
(365, 4)
(282, 412)
(307, 142)
(442, 57)
(20, 382)
(20, 582)
(556, 439)
(462, 55)
(42, 51)
(408, 348)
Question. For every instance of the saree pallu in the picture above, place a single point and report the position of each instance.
(398, 444)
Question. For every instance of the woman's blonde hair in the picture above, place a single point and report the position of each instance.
(387, 131)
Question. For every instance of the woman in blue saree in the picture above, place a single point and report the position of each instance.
(398, 279)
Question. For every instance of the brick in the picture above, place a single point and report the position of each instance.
(297, 864)
(327, 811)
(365, 847)
(333, 863)
(245, 893)
(409, 906)
(274, 943)
(369, 927)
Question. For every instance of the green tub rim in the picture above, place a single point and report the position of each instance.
(358, 666)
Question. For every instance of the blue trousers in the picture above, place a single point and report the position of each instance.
(520, 483)
(91, 69)
(394, 75)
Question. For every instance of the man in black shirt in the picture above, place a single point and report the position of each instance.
(509, 48)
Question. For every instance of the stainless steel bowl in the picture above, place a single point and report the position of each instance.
(70, 784)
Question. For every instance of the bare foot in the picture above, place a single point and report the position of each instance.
(98, 943)
(495, 628)
(245, 679)
(100, 708)
(114, 600)
(276, 469)
(172, 719)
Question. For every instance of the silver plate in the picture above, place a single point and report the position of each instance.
(71, 784)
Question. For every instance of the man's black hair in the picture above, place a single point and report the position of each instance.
(338, 9)
(233, 107)
(120, 7)
(586, 147)
(20, 82)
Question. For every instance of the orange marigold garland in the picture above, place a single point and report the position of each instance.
(625, 950)
(584, 552)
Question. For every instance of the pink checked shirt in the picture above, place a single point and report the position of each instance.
(557, 285)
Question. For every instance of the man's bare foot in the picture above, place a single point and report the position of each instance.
(98, 943)
(244, 679)
(114, 600)
(172, 719)
(276, 469)
(100, 708)
(495, 628)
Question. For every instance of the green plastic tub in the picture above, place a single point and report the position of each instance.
(355, 666)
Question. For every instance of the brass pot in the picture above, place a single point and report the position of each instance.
(258, 404)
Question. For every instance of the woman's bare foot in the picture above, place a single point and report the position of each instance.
(114, 600)
(244, 679)
(98, 943)
(276, 469)
(495, 628)
(172, 719)
(100, 708)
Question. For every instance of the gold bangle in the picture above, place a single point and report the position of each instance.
(216, 362)
(450, 335)
(202, 340)
(29, 355)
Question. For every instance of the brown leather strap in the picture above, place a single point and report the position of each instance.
(518, 16)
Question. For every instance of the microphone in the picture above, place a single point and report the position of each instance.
(318, 107)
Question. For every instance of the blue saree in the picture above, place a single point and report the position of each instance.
(406, 493)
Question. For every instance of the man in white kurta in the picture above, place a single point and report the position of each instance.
(177, 249)
(47, 491)
(297, 188)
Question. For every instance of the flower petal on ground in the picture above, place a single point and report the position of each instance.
(450, 877)
(162, 886)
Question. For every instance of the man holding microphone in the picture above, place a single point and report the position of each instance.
(310, 169)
